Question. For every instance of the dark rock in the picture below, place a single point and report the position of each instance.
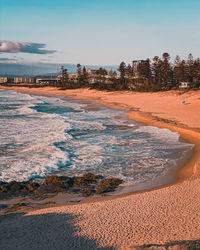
(14, 187)
(3, 187)
(107, 185)
(31, 186)
(56, 184)
(91, 178)
(85, 184)
(87, 191)
(58, 180)
(85, 180)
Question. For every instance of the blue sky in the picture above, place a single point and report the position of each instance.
(101, 32)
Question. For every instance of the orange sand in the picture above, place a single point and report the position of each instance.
(157, 216)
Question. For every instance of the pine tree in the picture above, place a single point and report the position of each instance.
(157, 70)
(64, 77)
(79, 72)
(177, 72)
(190, 63)
(122, 70)
(85, 76)
(129, 71)
(166, 71)
(196, 72)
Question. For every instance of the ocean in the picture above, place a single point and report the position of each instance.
(43, 135)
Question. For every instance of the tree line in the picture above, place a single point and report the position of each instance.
(157, 75)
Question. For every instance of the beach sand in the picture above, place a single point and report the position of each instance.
(156, 217)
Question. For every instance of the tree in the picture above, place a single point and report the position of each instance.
(101, 73)
(122, 70)
(85, 76)
(156, 70)
(144, 69)
(111, 73)
(196, 72)
(166, 71)
(129, 71)
(79, 72)
(190, 71)
(64, 76)
(177, 72)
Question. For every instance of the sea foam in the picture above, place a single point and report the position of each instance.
(44, 135)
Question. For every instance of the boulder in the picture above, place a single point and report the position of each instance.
(107, 185)
(87, 191)
(85, 180)
(58, 180)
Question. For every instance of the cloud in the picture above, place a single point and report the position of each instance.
(16, 47)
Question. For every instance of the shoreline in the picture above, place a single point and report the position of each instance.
(169, 178)
(156, 217)
(182, 171)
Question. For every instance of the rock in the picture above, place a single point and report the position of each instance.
(58, 180)
(3, 187)
(91, 178)
(14, 187)
(87, 191)
(85, 184)
(31, 186)
(107, 185)
(17, 188)
(85, 180)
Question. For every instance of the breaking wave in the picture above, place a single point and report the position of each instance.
(43, 135)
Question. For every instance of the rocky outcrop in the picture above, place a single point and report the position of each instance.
(108, 185)
(87, 184)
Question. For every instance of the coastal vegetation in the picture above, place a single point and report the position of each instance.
(158, 74)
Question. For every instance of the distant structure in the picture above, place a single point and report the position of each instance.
(3, 79)
(137, 65)
(73, 77)
(48, 80)
(18, 80)
(29, 79)
(94, 76)
(184, 85)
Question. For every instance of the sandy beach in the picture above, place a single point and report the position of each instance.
(152, 219)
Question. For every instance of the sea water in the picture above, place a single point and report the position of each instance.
(42, 136)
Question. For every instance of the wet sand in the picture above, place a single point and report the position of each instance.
(157, 216)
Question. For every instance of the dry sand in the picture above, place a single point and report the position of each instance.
(159, 216)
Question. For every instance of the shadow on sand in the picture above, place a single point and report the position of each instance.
(42, 232)
(56, 231)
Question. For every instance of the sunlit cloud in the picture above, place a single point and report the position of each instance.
(24, 47)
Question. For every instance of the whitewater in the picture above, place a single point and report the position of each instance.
(42, 135)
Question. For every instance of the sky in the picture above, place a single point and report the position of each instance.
(97, 32)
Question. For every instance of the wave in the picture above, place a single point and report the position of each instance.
(31, 135)
(44, 135)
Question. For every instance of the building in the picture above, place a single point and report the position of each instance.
(28, 80)
(73, 76)
(184, 85)
(3, 79)
(138, 66)
(92, 72)
(18, 80)
(46, 80)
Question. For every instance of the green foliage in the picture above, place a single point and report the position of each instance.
(144, 75)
